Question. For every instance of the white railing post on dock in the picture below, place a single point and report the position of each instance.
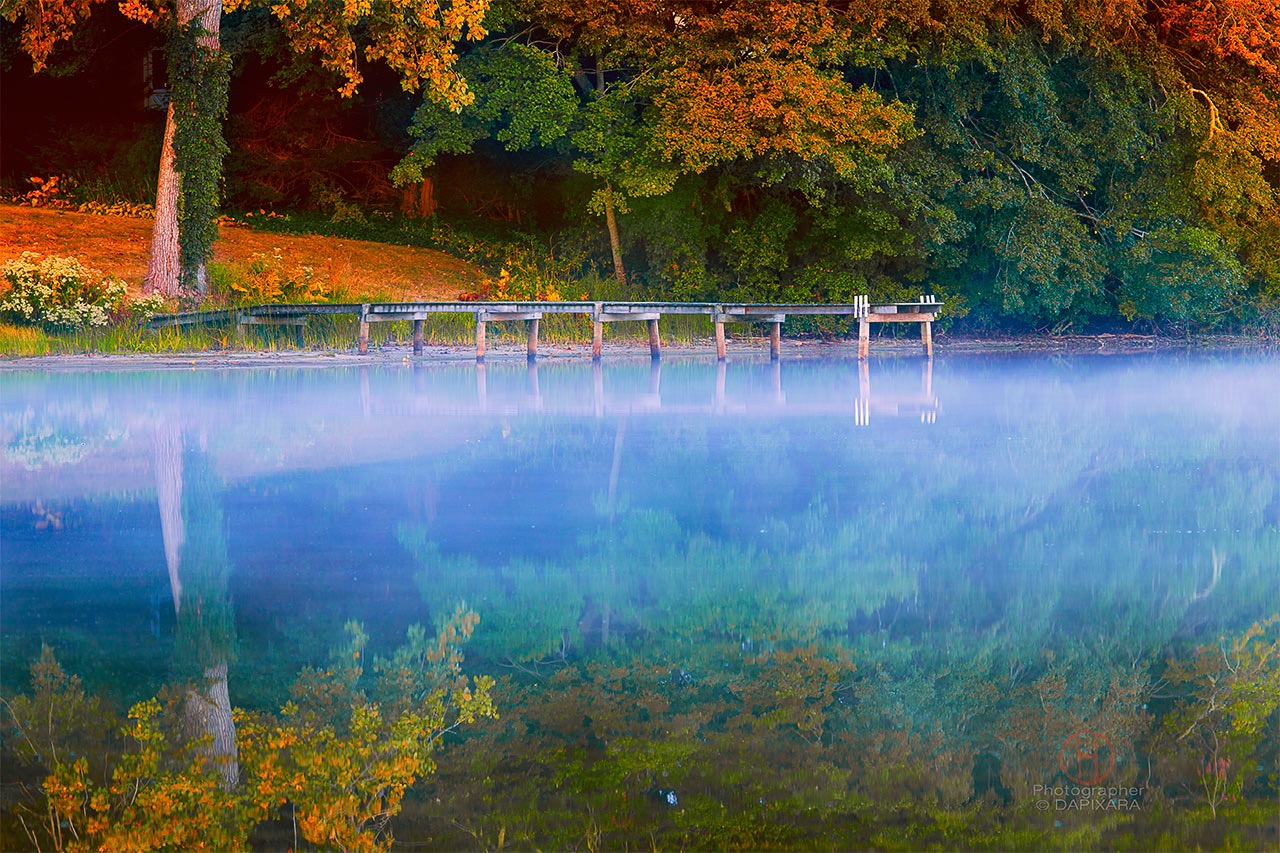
(864, 327)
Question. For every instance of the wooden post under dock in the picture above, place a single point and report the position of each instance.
(597, 331)
(363, 341)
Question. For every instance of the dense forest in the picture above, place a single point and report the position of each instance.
(1048, 164)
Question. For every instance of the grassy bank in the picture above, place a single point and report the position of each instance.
(363, 269)
(339, 334)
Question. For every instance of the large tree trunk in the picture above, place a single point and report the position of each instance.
(615, 243)
(162, 266)
(163, 273)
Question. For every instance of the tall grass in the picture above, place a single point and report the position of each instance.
(23, 341)
(339, 333)
(134, 338)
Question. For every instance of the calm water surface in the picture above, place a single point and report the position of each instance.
(797, 605)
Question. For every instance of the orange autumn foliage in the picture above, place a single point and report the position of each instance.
(414, 37)
(1243, 31)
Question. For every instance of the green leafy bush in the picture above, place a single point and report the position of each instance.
(59, 293)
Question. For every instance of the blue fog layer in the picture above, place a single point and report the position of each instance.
(996, 516)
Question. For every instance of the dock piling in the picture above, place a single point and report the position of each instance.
(926, 329)
(363, 340)
(597, 331)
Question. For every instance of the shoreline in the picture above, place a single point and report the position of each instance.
(794, 349)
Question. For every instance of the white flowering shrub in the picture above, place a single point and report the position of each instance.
(58, 293)
(145, 307)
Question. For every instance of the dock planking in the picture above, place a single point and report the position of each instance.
(923, 312)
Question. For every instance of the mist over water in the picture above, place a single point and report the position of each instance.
(954, 527)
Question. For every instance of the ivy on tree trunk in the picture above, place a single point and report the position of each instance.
(191, 160)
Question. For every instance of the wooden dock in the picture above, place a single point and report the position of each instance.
(924, 312)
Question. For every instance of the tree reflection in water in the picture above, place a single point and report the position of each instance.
(868, 619)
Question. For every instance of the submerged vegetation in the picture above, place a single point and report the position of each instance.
(339, 756)
(712, 745)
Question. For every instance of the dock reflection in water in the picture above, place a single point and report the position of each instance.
(757, 390)
(786, 604)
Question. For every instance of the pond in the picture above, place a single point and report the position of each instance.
(1019, 602)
